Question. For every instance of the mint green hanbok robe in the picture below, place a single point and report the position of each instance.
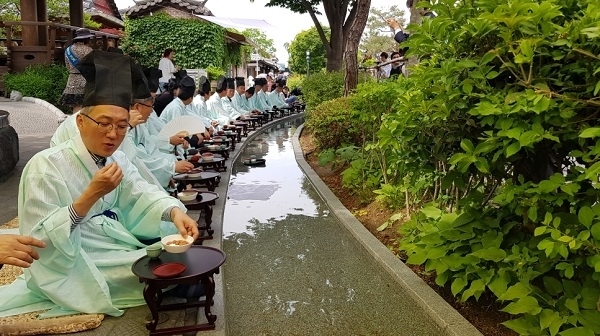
(176, 108)
(228, 106)
(274, 99)
(154, 126)
(216, 109)
(138, 146)
(199, 110)
(65, 131)
(259, 101)
(242, 104)
(88, 269)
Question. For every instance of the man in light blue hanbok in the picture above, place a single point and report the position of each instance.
(138, 145)
(234, 114)
(259, 99)
(275, 96)
(91, 208)
(215, 103)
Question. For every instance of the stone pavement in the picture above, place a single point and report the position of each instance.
(35, 125)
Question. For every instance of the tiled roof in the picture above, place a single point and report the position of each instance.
(90, 7)
(190, 6)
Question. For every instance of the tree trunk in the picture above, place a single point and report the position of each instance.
(335, 52)
(415, 18)
(352, 42)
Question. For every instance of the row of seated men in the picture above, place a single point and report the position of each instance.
(153, 154)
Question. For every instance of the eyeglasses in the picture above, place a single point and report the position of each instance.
(107, 127)
(150, 106)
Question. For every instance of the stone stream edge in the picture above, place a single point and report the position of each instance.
(438, 310)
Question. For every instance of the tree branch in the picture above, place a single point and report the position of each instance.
(310, 11)
(349, 20)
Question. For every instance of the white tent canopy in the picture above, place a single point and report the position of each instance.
(237, 23)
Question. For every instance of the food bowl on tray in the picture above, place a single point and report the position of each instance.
(187, 195)
(194, 173)
(175, 243)
(195, 158)
(208, 156)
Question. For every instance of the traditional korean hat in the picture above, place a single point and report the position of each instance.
(239, 81)
(108, 79)
(204, 84)
(221, 83)
(250, 90)
(230, 83)
(260, 81)
(153, 75)
(187, 86)
(140, 89)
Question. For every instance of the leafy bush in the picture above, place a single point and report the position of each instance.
(322, 86)
(498, 126)
(331, 123)
(296, 81)
(45, 82)
(198, 44)
(214, 72)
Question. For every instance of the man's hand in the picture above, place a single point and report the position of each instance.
(106, 180)
(18, 251)
(185, 144)
(176, 139)
(135, 118)
(184, 223)
(392, 23)
(214, 123)
(183, 166)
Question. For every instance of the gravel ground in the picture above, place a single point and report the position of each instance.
(29, 118)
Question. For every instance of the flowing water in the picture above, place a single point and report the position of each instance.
(292, 269)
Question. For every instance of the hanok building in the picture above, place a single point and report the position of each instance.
(187, 9)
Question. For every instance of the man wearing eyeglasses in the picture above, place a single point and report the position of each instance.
(139, 147)
(91, 208)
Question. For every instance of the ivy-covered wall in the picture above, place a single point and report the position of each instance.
(197, 44)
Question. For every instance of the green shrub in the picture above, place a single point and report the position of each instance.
(214, 72)
(501, 117)
(45, 82)
(296, 81)
(322, 86)
(331, 123)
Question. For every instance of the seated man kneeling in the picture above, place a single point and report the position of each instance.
(91, 208)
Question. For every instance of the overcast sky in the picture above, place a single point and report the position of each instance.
(287, 24)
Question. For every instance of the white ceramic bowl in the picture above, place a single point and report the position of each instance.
(187, 195)
(194, 175)
(208, 157)
(177, 248)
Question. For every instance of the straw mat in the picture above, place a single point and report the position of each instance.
(29, 324)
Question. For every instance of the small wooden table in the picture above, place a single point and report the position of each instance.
(210, 179)
(217, 163)
(203, 202)
(201, 263)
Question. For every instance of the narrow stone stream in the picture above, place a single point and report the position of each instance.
(292, 269)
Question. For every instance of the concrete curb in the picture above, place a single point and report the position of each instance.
(440, 312)
(59, 114)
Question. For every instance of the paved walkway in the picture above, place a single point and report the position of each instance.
(35, 125)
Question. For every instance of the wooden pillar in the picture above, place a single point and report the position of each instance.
(29, 13)
(42, 16)
(76, 13)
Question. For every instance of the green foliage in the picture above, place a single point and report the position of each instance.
(199, 44)
(214, 72)
(308, 40)
(266, 46)
(296, 81)
(45, 82)
(89, 23)
(331, 123)
(498, 127)
(322, 86)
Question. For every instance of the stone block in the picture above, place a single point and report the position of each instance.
(9, 151)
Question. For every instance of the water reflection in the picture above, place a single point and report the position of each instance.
(291, 268)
